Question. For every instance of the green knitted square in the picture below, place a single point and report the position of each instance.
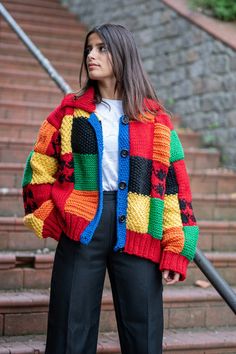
(155, 227)
(191, 237)
(86, 171)
(27, 177)
(176, 149)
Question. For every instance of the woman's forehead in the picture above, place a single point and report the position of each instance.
(94, 38)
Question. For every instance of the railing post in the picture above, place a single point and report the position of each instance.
(44, 62)
(216, 280)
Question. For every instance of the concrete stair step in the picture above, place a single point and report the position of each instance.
(217, 235)
(19, 129)
(14, 236)
(37, 18)
(35, 344)
(42, 41)
(38, 77)
(11, 62)
(189, 138)
(198, 341)
(224, 262)
(214, 206)
(212, 181)
(187, 308)
(30, 110)
(20, 92)
(201, 158)
(53, 4)
(21, 269)
(52, 54)
(54, 32)
(59, 11)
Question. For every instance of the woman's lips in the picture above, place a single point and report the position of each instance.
(92, 66)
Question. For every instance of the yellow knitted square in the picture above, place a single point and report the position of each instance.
(138, 212)
(65, 130)
(161, 144)
(44, 210)
(43, 167)
(171, 216)
(82, 203)
(44, 138)
(80, 113)
(34, 224)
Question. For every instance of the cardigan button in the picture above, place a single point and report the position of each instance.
(122, 218)
(124, 153)
(122, 185)
(125, 119)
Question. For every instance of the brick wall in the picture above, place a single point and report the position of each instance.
(193, 73)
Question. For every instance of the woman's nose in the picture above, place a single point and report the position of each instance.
(92, 53)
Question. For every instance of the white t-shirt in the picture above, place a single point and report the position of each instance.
(110, 118)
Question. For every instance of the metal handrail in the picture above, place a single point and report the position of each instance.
(200, 259)
(216, 279)
(43, 61)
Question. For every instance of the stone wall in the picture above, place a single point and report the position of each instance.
(193, 73)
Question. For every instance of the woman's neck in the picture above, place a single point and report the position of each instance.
(107, 91)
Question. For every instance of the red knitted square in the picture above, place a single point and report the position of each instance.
(164, 118)
(65, 171)
(140, 136)
(34, 195)
(182, 180)
(55, 117)
(158, 179)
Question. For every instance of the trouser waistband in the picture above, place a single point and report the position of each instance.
(109, 195)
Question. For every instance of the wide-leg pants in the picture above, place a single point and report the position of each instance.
(76, 292)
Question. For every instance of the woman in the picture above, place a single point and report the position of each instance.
(107, 180)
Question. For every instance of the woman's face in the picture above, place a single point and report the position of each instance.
(99, 61)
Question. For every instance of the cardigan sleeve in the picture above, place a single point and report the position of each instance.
(39, 177)
(180, 231)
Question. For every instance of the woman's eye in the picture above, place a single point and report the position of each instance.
(103, 49)
(87, 51)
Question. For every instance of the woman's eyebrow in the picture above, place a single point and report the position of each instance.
(96, 45)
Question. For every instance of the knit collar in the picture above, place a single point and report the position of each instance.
(87, 102)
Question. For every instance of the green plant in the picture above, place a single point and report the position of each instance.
(213, 125)
(170, 101)
(223, 9)
(208, 140)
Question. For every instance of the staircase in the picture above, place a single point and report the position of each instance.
(196, 319)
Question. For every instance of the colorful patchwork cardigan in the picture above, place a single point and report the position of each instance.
(62, 184)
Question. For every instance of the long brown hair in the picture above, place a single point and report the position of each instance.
(131, 79)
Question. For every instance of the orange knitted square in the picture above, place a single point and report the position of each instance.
(147, 116)
(173, 239)
(82, 203)
(44, 210)
(161, 144)
(45, 135)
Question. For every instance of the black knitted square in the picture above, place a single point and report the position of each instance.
(171, 182)
(140, 172)
(83, 138)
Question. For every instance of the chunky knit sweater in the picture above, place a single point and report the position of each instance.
(62, 183)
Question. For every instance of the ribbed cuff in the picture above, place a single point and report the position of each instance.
(175, 262)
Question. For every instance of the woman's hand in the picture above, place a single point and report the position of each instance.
(171, 277)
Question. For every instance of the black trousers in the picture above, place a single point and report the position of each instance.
(76, 292)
